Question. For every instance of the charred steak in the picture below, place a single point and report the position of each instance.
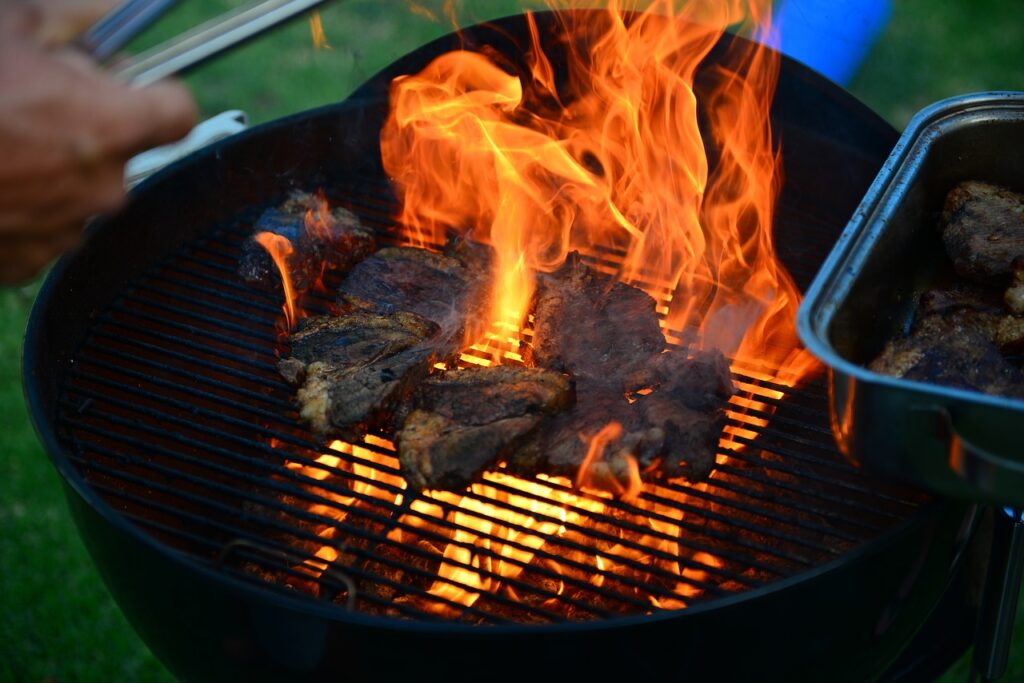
(448, 289)
(606, 335)
(961, 335)
(406, 309)
(953, 346)
(336, 241)
(354, 370)
(592, 326)
(673, 431)
(465, 421)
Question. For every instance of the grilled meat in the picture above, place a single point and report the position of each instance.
(1014, 295)
(354, 370)
(337, 241)
(672, 431)
(593, 327)
(983, 231)
(952, 347)
(606, 334)
(448, 289)
(688, 406)
(464, 421)
(403, 310)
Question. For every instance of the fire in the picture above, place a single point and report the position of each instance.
(280, 249)
(620, 473)
(614, 158)
(318, 225)
(502, 528)
(610, 159)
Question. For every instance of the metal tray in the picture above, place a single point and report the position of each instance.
(952, 441)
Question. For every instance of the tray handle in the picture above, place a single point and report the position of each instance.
(993, 476)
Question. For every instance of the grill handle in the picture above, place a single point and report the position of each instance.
(993, 477)
(207, 40)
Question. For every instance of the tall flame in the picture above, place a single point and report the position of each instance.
(611, 156)
(280, 249)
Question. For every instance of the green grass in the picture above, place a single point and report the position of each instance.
(57, 621)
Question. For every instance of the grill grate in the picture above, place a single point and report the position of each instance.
(175, 413)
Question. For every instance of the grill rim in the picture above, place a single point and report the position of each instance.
(44, 423)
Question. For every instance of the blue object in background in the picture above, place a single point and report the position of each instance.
(831, 36)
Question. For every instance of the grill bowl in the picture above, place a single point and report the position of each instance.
(848, 616)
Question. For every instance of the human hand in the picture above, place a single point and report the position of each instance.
(66, 131)
(55, 23)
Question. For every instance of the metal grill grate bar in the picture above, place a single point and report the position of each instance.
(176, 394)
(284, 472)
(201, 520)
(331, 522)
(305, 444)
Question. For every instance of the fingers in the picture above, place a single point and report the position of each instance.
(157, 115)
(64, 20)
(125, 120)
(66, 131)
(19, 20)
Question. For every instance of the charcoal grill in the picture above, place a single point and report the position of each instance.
(149, 370)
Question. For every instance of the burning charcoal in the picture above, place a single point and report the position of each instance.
(356, 368)
(951, 350)
(322, 239)
(464, 421)
(983, 230)
(591, 326)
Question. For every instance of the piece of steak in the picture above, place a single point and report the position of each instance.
(983, 231)
(606, 335)
(354, 370)
(687, 403)
(402, 310)
(952, 348)
(322, 239)
(449, 289)
(672, 431)
(591, 326)
(464, 421)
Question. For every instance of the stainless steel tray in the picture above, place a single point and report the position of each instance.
(952, 441)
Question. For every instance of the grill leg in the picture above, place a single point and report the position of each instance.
(999, 600)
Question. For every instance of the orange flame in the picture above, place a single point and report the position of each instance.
(316, 31)
(615, 160)
(280, 249)
(620, 473)
(615, 165)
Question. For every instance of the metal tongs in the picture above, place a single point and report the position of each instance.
(189, 49)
